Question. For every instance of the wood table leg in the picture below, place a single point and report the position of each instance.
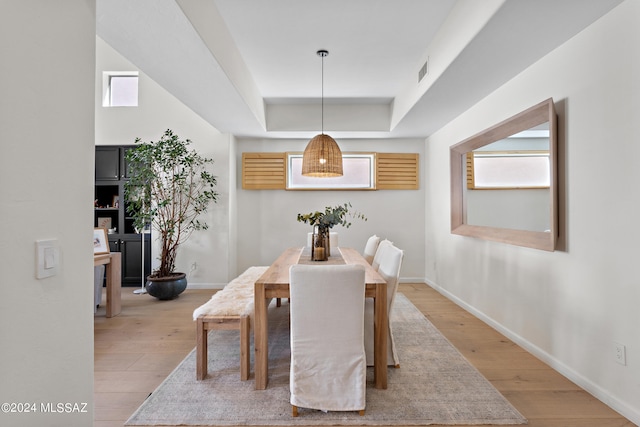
(114, 285)
(245, 346)
(260, 338)
(201, 350)
(380, 328)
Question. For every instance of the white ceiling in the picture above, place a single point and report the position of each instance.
(249, 67)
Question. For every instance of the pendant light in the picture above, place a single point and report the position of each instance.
(322, 158)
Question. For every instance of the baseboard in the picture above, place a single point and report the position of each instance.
(205, 285)
(412, 280)
(632, 414)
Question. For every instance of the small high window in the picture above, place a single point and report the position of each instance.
(359, 172)
(120, 89)
(519, 161)
(508, 169)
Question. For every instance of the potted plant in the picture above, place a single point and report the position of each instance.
(322, 222)
(169, 187)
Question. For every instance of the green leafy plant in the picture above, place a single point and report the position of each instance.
(169, 187)
(331, 216)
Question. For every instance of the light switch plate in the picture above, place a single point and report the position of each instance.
(47, 258)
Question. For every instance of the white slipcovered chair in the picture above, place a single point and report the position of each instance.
(328, 365)
(98, 280)
(389, 268)
(370, 248)
(379, 251)
(333, 239)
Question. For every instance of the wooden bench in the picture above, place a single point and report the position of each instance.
(230, 308)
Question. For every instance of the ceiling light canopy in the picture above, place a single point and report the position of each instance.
(322, 158)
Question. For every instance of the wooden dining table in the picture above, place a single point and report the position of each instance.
(113, 267)
(274, 283)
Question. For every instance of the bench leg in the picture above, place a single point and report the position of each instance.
(202, 332)
(245, 355)
(201, 350)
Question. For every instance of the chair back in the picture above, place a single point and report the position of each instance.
(333, 239)
(389, 269)
(370, 248)
(380, 252)
(328, 363)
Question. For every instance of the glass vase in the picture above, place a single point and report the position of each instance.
(320, 244)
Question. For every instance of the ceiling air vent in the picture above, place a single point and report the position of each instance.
(423, 71)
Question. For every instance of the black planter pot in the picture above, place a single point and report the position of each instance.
(165, 288)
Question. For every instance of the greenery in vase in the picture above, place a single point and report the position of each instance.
(169, 187)
(331, 216)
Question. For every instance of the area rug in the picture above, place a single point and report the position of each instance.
(434, 385)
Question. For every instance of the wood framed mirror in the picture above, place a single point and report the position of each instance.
(514, 205)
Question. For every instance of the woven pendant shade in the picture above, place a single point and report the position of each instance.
(322, 157)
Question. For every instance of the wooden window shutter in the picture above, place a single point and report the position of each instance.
(471, 184)
(264, 171)
(397, 171)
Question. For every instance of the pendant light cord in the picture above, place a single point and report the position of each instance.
(322, 93)
(322, 53)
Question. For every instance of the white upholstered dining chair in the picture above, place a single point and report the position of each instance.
(370, 248)
(328, 365)
(390, 263)
(379, 252)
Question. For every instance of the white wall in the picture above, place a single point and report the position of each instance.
(157, 111)
(47, 125)
(569, 306)
(267, 218)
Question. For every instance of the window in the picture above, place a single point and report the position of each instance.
(120, 89)
(508, 169)
(358, 170)
(517, 162)
(362, 171)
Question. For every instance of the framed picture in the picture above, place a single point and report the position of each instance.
(104, 222)
(100, 242)
(115, 203)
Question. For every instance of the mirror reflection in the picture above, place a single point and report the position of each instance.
(503, 181)
(508, 182)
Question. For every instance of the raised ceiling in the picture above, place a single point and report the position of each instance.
(249, 67)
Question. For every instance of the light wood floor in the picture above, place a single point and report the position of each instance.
(135, 351)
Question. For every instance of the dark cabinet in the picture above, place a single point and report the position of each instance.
(110, 213)
(111, 164)
(107, 205)
(107, 163)
(130, 246)
(123, 165)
